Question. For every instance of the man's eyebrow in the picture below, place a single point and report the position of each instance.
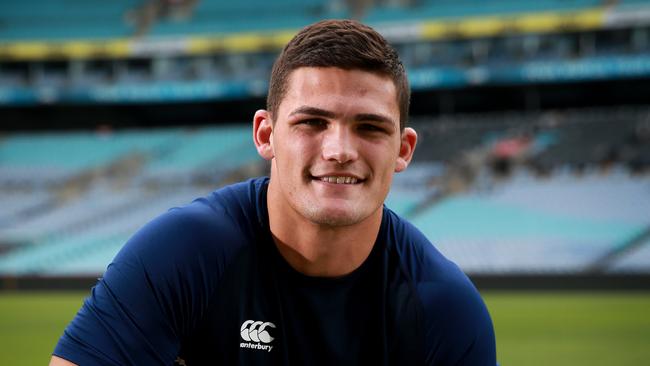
(314, 111)
(374, 118)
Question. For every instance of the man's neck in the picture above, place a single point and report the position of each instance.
(321, 250)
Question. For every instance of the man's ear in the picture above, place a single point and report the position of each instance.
(407, 146)
(262, 134)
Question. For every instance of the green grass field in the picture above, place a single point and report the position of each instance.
(561, 329)
(533, 328)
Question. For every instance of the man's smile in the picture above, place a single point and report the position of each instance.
(340, 178)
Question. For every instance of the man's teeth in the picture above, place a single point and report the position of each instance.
(339, 180)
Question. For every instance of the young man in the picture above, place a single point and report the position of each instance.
(306, 267)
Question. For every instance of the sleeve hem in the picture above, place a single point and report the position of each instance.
(77, 354)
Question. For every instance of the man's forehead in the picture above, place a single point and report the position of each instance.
(311, 85)
(312, 72)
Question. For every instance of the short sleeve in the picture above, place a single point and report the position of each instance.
(151, 295)
(458, 327)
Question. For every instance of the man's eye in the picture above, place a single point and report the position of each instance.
(315, 122)
(370, 127)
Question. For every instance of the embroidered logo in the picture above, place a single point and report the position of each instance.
(258, 332)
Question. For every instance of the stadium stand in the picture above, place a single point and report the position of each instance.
(204, 149)
(93, 242)
(635, 261)
(559, 222)
(64, 19)
(105, 186)
(435, 9)
(216, 51)
(218, 17)
(534, 191)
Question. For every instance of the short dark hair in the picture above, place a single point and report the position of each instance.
(346, 44)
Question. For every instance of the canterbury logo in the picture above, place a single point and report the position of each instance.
(256, 331)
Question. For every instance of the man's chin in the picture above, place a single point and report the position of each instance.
(334, 217)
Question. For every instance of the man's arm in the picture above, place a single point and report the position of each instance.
(460, 330)
(58, 361)
(138, 311)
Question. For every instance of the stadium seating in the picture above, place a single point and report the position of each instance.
(80, 195)
(56, 20)
(635, 261)
(75, 19)
(441, 9)
(75, 249)
(64, 19)
(576, 192)
(74, 152)
(219, 17)
(206, 147)
(560, 222)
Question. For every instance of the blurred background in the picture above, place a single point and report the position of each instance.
(532, 170)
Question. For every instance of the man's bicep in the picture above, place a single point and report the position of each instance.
(58, 361)
(130, 315)
(120, 323)
(152, 295)
(459, 329)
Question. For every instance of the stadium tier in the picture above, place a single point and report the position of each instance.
(69, 20)
(81, 195)
(481, 200)
(85, 242)
(533, 187)
(47, 157)
(150, 51)
(633, 262)
(561, 224)
(220, 149)
(64, 19)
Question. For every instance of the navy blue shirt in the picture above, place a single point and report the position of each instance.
(205, 285)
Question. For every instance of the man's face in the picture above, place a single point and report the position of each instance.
(335, 144)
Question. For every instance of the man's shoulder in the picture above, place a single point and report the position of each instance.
(238, 204)
(221, 222)
(456, 324)
(246, 195)
(432, 275)
(417, 254)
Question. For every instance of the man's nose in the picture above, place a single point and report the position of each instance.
(339, 145)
